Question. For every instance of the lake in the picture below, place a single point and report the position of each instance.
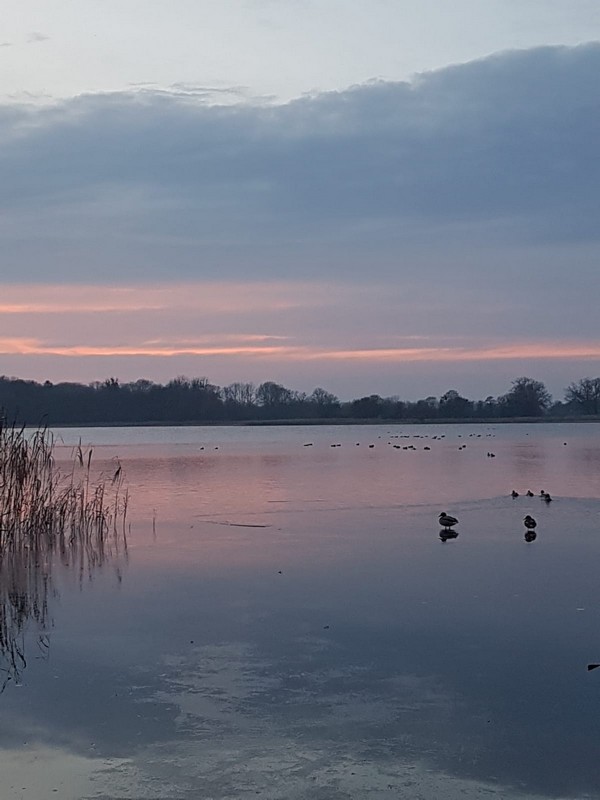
(286, 622)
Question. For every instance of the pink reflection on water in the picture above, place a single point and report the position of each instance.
(268, 480)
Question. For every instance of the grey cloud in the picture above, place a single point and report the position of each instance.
(194, 89)
(35, 37)
(469, 159)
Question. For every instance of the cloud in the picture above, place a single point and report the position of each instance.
(35, 37)
(484, 155)
(302, 323)
(210, 93)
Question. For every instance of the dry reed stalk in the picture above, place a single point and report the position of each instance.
(45, 515)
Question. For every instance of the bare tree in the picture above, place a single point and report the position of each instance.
(241, 393)
(584, 395)
(527, 398)
(270, 394)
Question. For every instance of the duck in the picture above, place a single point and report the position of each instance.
(529, 522)
(446, 521)
(547, 498)
(514, 494)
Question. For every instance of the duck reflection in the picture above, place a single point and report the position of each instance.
(530, 524)
(446, 534)
(27, 589)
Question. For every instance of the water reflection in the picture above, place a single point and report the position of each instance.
(294, 628)
(24, 590)
(447, 533)
(27, 586)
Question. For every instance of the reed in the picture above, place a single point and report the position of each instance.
(48, 516)
(40, 506)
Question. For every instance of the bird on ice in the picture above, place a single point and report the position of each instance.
(529, 522)
(446, 521)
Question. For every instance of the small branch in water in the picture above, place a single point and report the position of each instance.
(237, 524)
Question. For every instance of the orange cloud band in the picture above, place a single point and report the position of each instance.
(498, 352)
(214, 297)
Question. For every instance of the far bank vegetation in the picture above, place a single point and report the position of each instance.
(196, 400)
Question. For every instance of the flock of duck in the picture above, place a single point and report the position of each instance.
(447, 521)
(543, 495)
(416, 436)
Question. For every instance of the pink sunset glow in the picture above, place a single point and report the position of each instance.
(156, 331)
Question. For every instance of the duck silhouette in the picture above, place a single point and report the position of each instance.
(446, 521)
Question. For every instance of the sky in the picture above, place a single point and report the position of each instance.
(373, 196)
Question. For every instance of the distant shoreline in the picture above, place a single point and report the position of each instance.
(323, 421)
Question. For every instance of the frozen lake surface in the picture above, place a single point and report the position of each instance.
(287, 623)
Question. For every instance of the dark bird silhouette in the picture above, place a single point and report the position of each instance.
(547, 498)
(446, 521)
(514, 494)
(529, 493)
(529, 522)
(530, 536)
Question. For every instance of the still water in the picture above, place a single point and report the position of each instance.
(286, 622)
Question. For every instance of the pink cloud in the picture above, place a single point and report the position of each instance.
(259, 346)
(214, 297)
(307, 333)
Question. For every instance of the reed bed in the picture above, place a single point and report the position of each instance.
(49, 516)
(40, 506)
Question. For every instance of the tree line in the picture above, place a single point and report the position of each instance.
(196, 400)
